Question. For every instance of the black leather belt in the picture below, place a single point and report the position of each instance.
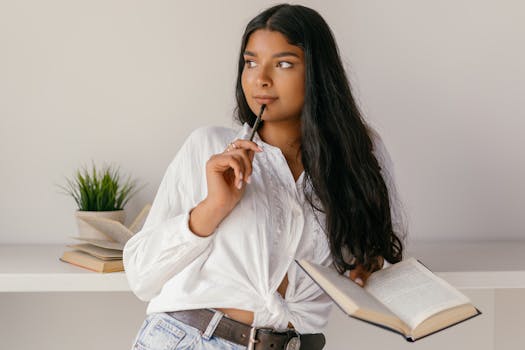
(251, 337)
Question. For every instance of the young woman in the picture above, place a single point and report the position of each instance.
(215, 258)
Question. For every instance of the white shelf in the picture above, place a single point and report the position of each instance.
(475, 265)
(36, 268)
(479, 265)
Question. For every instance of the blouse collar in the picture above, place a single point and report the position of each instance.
(245, 134)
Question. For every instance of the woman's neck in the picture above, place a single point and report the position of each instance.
(287, 137)
(284, 135)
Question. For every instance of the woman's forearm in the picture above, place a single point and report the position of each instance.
(205, 218)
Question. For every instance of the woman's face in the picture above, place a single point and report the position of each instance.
(273, 68)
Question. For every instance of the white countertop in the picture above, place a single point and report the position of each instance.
(466, 265)
(36, 268)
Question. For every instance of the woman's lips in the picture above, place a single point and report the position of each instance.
(265, 100)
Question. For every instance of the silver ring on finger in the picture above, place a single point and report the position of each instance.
(231, 146)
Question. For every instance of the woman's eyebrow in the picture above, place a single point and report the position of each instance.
(280, 54)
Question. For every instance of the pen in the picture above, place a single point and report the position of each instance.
(257, 121)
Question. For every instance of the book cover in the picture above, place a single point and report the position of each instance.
(91, 262)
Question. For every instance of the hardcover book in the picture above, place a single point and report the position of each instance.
(90, 262)
(104, 255)
(406, 298)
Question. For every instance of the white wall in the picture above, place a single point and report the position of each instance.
(126, 81)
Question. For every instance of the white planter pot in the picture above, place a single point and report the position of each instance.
(87, 231)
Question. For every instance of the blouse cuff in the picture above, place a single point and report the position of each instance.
(187, 234)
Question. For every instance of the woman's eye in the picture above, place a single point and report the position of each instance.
(284, 64)
(249, 63)
(281, 64)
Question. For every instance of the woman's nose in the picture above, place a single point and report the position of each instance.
(264, 79)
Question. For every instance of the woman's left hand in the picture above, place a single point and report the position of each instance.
(359, 275)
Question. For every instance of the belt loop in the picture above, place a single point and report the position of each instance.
(214, 322)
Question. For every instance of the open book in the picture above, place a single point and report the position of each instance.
(104, 255)
(98, 252)
(117, 233)
(406, 298)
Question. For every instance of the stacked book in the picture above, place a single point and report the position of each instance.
(104, 255)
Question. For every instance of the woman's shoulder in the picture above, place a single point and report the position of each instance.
(212, 136)
(210, 139)
(200, 144)
(212, 132)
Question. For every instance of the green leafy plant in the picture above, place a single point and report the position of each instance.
(100, 190)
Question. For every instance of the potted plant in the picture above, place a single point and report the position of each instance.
(99, 193)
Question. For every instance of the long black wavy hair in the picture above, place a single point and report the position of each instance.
(337, 159)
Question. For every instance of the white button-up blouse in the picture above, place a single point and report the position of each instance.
(243, 262)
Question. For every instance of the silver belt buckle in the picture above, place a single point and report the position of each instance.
(252, 340)
(294, 343)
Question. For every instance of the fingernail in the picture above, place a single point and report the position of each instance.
(239, 184)
(249, 179)
(359, 281)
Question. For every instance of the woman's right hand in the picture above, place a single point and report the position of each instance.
(227, 174)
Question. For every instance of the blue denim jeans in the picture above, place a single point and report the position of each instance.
(160, 331)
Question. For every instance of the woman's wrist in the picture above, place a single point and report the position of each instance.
(205, 218)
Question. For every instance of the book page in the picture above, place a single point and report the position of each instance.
(102, 243)
(347, 294)
(99, 252)
(111, 228)
(139, 221)
(413, 292)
